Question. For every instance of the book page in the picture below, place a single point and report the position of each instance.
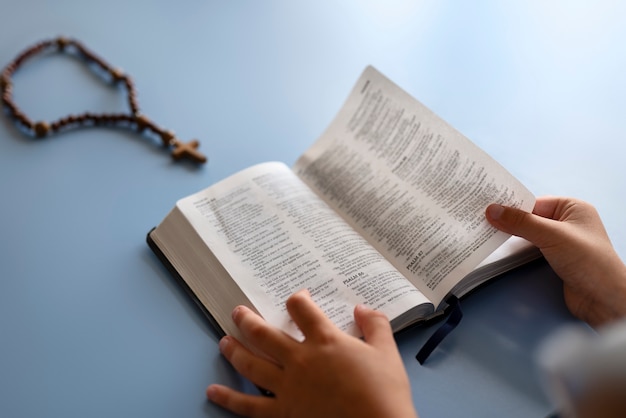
(412, 185)
(513, 253)
(275, 236)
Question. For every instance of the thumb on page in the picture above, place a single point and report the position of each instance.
(374, 325)
(534, 228)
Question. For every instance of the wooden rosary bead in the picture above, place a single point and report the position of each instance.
(117, 75)
(8, 70)
(128, 81)
(167, 137)
(134, 107)
(62, 42)
(142, 122)
(41, 129)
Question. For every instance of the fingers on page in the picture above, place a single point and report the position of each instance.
(374, 325)
(261, 335)
(308, 316)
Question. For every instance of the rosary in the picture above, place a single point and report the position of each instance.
(133, 120)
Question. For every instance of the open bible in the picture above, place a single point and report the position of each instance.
(386, 209)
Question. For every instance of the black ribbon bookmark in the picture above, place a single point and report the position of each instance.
(453, 320)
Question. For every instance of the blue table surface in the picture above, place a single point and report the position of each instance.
(91, 325)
